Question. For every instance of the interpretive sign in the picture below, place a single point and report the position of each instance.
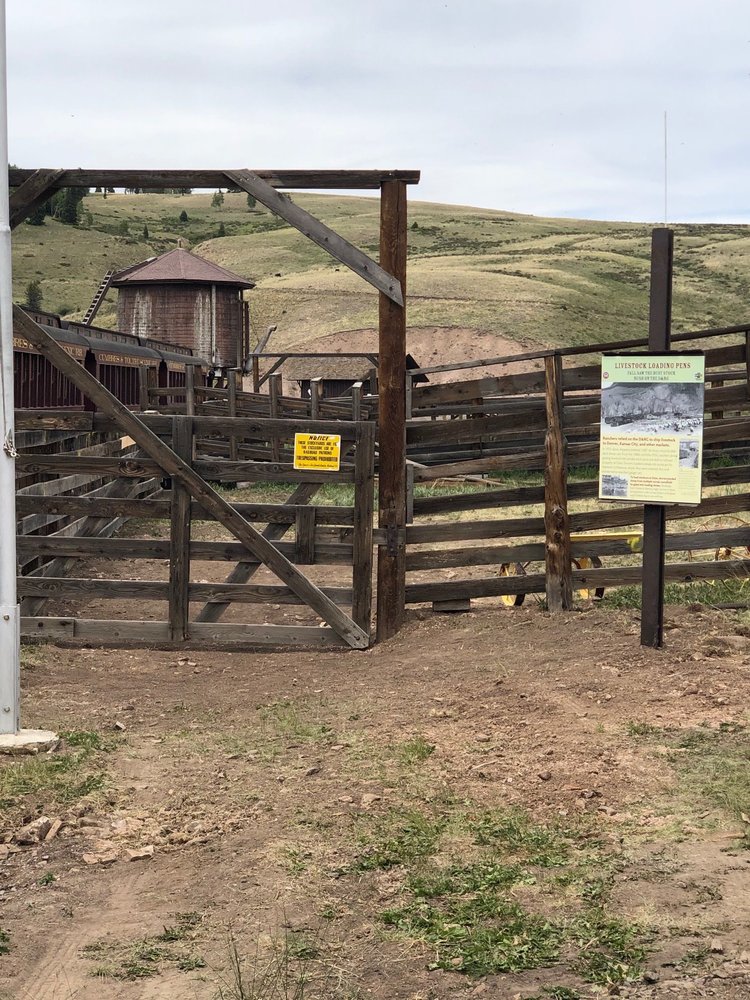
(317, 451)
(652, 428)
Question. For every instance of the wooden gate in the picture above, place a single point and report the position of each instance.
(184, 452)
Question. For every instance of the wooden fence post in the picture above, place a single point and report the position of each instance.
(654, 515)
(146, 379)
(357, 401)
(232, 407)
(316, 394)
(392, 415)
(556, 526)
(364, 482)
(189, 391)
(179, 537)
(274, 392)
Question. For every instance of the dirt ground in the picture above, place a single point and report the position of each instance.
(265, 799)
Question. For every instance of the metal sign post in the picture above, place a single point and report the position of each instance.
(9, 618)
(654, 518)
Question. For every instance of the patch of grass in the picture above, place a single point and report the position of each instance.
(712, 766)
(415, 751)
(643, 729)
(47, 879)
(143, 958)
(4, 942)
(401, 837)
(734, 590)
(293, 966)
(610, 949)
(518, 895)
(556, 993)
(512, 832)
(288, 719)
(59, 778)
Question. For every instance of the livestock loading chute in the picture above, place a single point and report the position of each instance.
(628, 403)
(114, 358)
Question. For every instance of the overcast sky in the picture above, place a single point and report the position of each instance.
(552, 107)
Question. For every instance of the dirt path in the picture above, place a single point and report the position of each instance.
(277, 794)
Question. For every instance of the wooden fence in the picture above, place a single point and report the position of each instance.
(303, 533)
(547, 418)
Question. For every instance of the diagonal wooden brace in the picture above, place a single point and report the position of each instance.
(31, 194)
(319, 233)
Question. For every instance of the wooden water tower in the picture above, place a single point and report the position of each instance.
(180, 298)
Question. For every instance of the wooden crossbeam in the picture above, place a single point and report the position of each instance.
(317, 180)
(319, 233)
(33, 190)
(198, 488)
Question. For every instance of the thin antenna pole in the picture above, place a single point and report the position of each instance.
(665, 168)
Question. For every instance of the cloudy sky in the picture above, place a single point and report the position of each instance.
(552, 107)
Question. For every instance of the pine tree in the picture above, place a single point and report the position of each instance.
(222, 230)
(38, 216)
(183, 216)
(145, 232)
(218, 199)
(251, 202)
(34, 295)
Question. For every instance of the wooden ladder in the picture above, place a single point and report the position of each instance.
(98, 298)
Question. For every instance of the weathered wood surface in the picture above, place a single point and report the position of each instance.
(362, 542)
(244, 571)
(179, 535)
(590, 579)
(557, 534)
(88, 589)
(315, 230)
(392, 414)
(34, 189)
(318, 180)
(81, 547)
(216, 471)
(197, 486)
(100, 632)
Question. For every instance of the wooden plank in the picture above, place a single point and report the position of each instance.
(101, 632)
(319, 180)
(392, 414)
(557, 533)
(93, 506)
(245, 593)
(250, 636)
(132, 468)
(364, 474)
(34, 189)
(74, 420)
(304, 545)
(326, 238)
(179, 535)
(91, 589)
(175, 467)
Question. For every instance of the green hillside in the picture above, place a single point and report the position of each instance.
(530, 280)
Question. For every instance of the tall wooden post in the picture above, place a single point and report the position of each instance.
(654, 517)
(179, 538)
(556, 524)
(392, 415)
(232, 411)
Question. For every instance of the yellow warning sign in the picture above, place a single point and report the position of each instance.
(317, 451)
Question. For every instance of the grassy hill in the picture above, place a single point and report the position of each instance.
(501, 277)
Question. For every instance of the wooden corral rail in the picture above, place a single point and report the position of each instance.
(501, 425)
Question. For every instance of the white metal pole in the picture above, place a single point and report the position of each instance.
(10, 667)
